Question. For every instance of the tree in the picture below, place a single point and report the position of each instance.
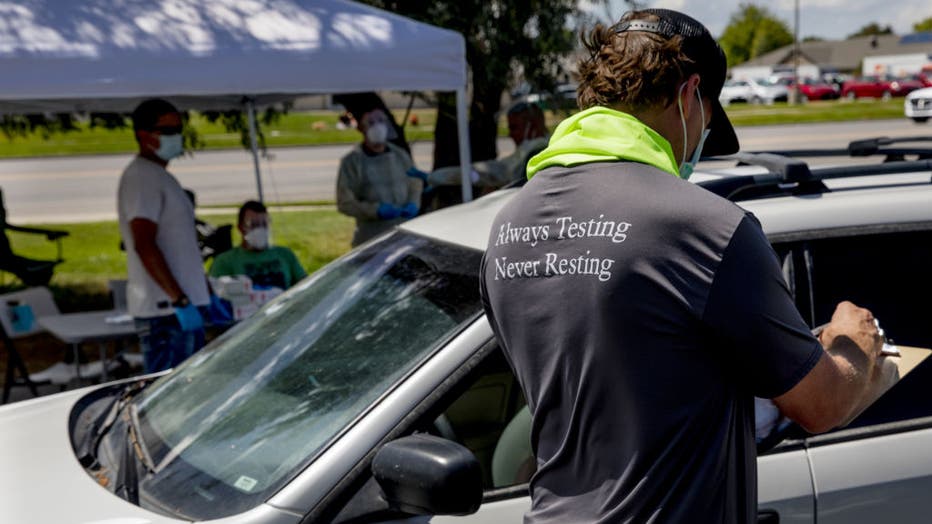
(501, 37)
(872, 28)
(751, 32)
(813, 38)
(923, 25)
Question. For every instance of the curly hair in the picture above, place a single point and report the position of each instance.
(631, 70)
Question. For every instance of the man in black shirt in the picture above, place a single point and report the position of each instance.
(641, 313)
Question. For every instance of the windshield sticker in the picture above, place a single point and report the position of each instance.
(245, 483)
(554, 264)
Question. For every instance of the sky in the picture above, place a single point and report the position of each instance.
(829, 19)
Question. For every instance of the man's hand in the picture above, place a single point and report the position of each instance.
(853, 327)
(846, 379)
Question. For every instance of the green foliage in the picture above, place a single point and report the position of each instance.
(872, 28)
(753, 31)
(813, 38)
(923, 25)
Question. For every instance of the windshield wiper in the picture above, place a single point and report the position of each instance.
(88, 448)
(134, 448)
(135, 438)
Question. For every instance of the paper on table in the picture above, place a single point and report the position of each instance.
(123, 318)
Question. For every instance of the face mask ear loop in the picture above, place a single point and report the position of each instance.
(679, 102)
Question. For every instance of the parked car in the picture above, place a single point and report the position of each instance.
(755, 91)
(879, 87)
(813, 89)
(918, 105)
(902, 86)
(865, 87)
(375, 389)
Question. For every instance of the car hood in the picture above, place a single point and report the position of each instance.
(41, 479)
(925, 92)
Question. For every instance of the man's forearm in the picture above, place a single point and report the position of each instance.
(885, 374)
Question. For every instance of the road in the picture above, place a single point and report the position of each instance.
(83, 188)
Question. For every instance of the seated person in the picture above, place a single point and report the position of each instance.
(266, 265)
(527, 129)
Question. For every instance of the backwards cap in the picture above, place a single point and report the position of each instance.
(711, 66)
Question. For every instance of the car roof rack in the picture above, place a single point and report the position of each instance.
(863, 148)
(787, 174)
(792, 176)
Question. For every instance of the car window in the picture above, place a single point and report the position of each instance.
(240, 418)
(886, 272)
(491, 419)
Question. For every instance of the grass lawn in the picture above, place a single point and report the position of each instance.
(293, 129)
(816, 111)
(92, 254)
(319, 127)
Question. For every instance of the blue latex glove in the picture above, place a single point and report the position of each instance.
(387, 211)
(417, 173)
(409, 210)
(189, 318)
(220, 312)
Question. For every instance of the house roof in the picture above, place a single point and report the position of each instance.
(843, 55)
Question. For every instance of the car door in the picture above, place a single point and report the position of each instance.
(878, 468)
(489, 418)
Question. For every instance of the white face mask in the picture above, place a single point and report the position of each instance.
(377, 133)
(170, 146)
(686, 168)
(258, 238)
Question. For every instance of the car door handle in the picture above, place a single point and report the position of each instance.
(768, 516)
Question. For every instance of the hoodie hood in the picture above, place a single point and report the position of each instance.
(600, 134)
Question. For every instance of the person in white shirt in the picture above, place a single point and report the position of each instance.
(166, 290)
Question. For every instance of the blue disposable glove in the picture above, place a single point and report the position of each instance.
(409, 210)
(220, 311)
(387, 211)
(417, 173)
(189, 318)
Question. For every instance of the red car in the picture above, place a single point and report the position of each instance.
(879, 87)
(868, 86)
(814, 89)
(903, 86)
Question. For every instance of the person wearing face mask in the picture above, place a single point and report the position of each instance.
(648, 313)
(528, 130)
(266, 265)
(166, 288)
(372, 185)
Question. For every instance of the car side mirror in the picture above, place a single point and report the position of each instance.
(428, 475)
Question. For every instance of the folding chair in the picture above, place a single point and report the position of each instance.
(40, 300)
(31, 272)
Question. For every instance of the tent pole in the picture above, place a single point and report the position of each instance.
(462, 128)
(254, 143)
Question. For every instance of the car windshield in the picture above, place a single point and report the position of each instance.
(240, 418)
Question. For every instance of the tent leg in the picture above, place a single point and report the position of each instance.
(462, 128)
(254, 143)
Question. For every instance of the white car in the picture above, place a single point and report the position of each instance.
(374, 390)
(918, 105)
(754, 91)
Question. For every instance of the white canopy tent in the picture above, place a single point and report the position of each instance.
(107, 55)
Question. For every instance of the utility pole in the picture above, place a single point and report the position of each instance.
(794, 96)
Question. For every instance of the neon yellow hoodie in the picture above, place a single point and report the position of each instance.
(600, 134)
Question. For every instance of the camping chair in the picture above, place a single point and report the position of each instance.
(31, 272)
(41, 304)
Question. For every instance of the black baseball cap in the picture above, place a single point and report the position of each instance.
(711, 66)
